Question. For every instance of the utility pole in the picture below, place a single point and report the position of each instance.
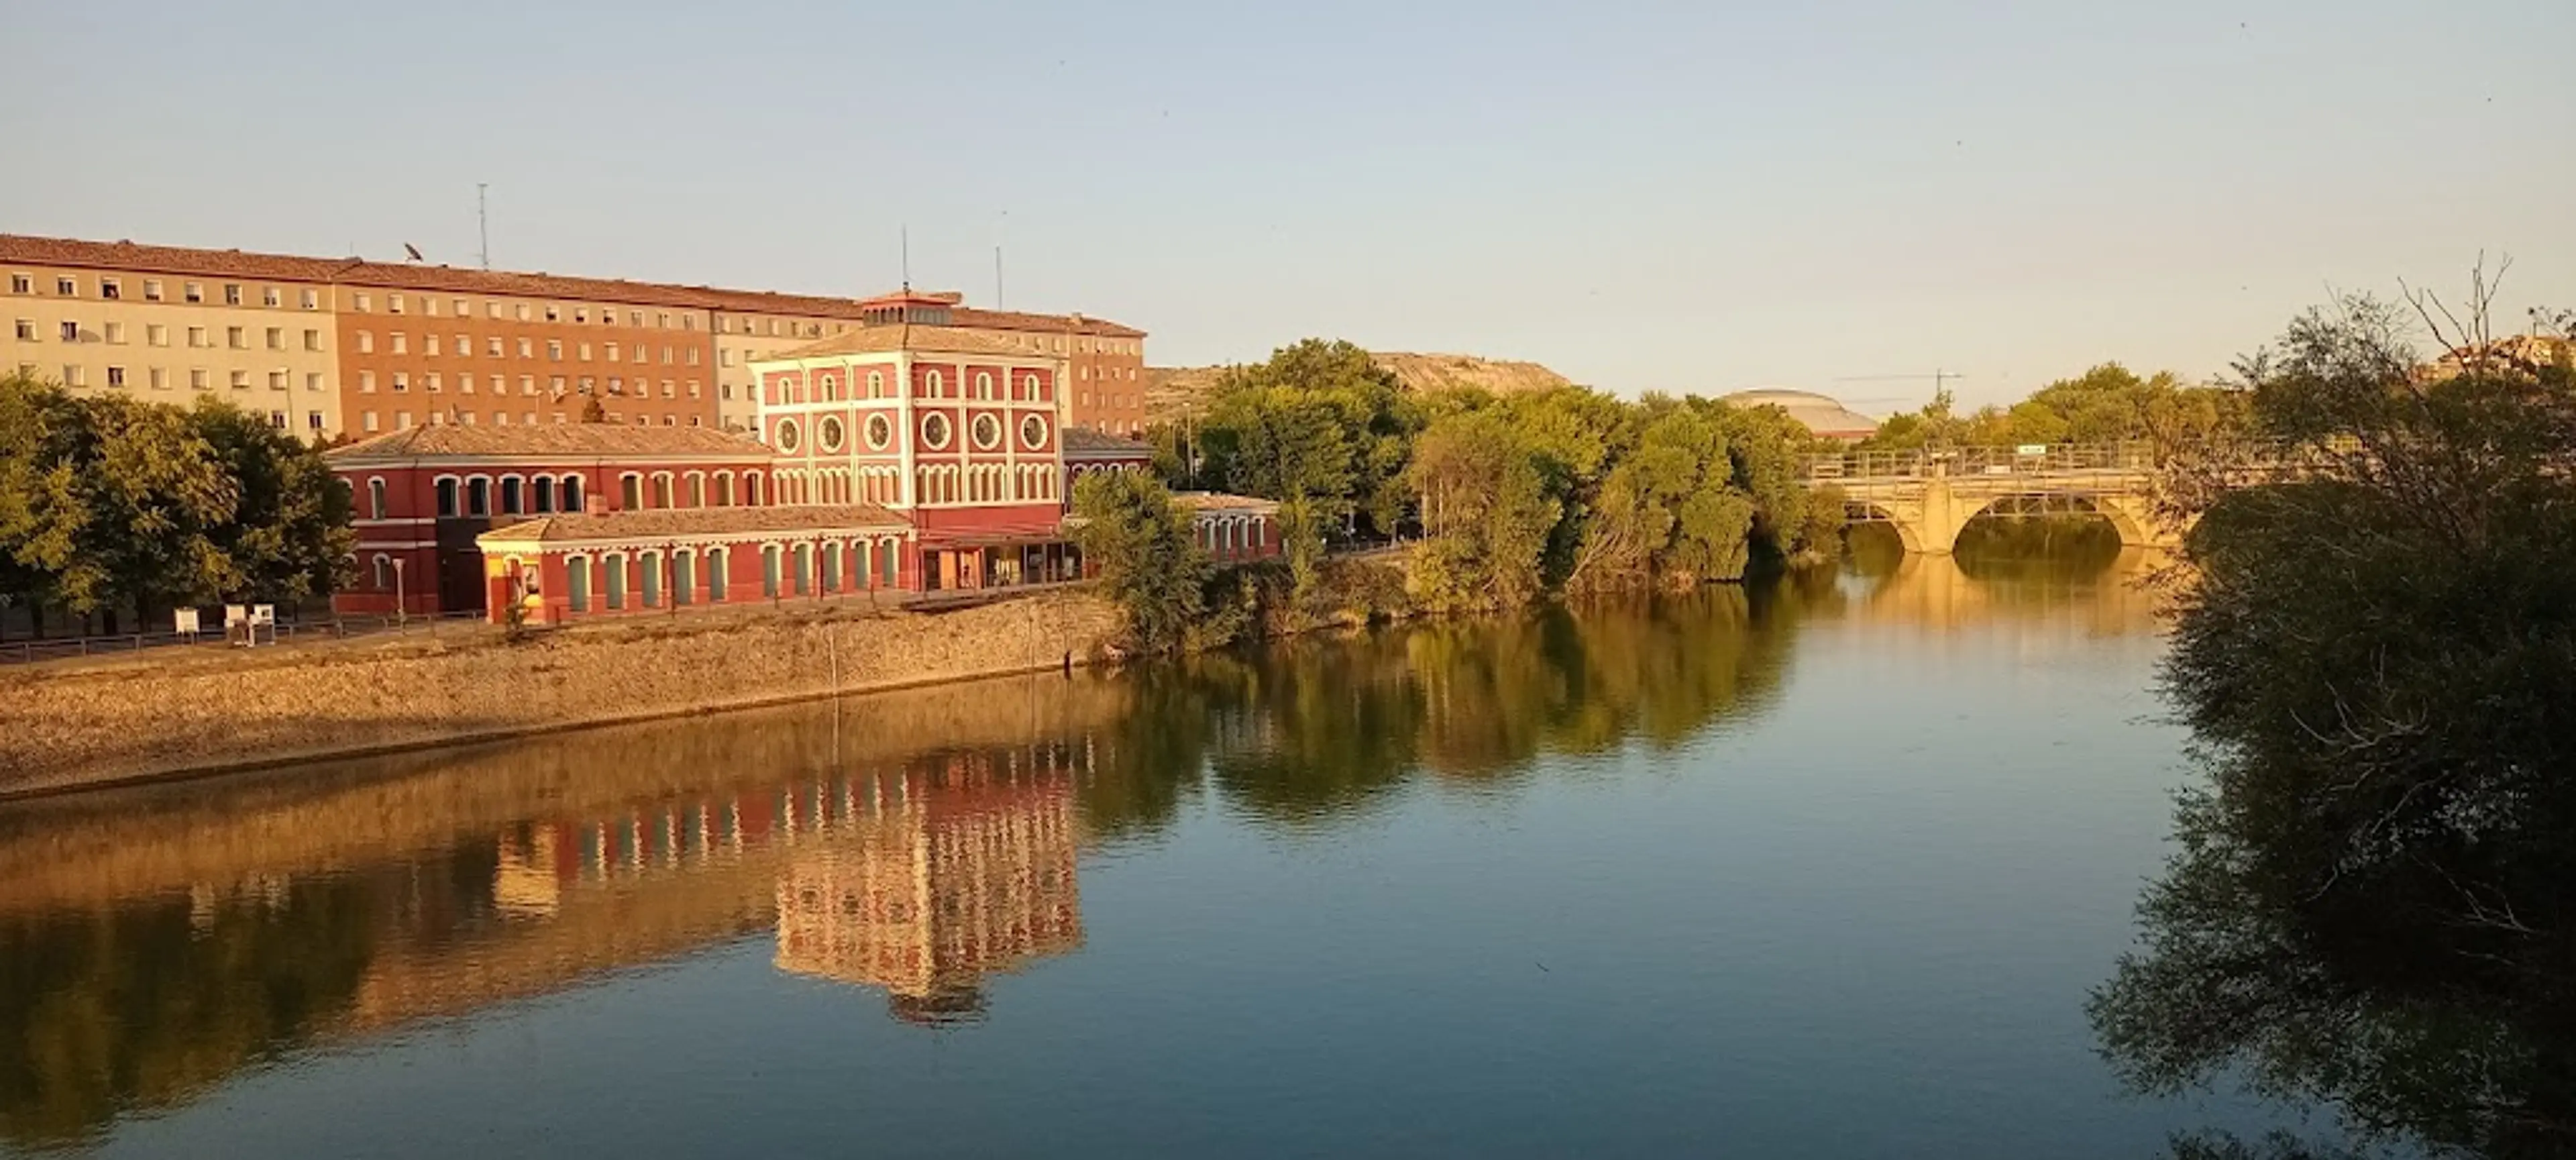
(483, 225)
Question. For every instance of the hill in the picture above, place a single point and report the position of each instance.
(1176, 391)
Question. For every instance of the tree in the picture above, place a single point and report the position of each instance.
(1486, 514)
(288, 537)
(1322, 429)
(1150, 561)
(593, 411)
(2376, 652)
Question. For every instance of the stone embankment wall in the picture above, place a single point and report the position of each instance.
(152, 717)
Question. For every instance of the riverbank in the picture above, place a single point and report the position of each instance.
(152, 719)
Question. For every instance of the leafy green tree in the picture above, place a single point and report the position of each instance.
(1321, 428)
(2376, 653)
(1486, 514)
(1150, 561)
(288, 538)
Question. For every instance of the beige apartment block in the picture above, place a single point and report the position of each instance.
(171, 326)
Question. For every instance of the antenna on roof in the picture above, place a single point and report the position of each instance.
(997, 258)
(907, 258)
(483, 225)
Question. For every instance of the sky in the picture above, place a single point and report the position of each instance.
(1685, 197)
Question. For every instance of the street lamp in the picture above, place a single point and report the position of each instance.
(402, 607)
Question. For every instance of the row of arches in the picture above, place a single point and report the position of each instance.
(932, 383)
(651, 578)
(1233, 535)
(483, 495)
(638, 491)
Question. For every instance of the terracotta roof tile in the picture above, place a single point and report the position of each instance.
(713, 521)
(1090, 443)
(1203, 501)
(1045, 323)
(555, 441)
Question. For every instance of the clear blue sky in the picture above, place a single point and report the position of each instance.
(1686, 196)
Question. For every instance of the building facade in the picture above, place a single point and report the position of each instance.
(430, 346)
(423, 495)
(166, 325)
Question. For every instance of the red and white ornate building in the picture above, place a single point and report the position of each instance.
(902, 457)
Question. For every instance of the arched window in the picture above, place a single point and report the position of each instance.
(804, 569)
(630, 492)
(769, 570)
(886, 562)
(719, 567)
(697, 489)
(513, 496)
(936, 386)
(376, 498)
(983, 385)
(684, 577)
(543, 497)
(876, 384)
(662, 490)
(831, 578)
(447, 497)
(650, 564)
(384, 573)
(571, 494)
(751, 489)
(613, 566)
(577, 582)
(724, 489)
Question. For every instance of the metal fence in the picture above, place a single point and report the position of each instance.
(303, 630)
(1957, 461)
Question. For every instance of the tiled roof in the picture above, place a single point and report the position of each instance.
(1093, 444)
(1046, 323)
(560, 440)
(80, 254)
(1204, 501)
(902, 336)
(709, 521)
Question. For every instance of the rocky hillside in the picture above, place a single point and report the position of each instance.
(1176, 391)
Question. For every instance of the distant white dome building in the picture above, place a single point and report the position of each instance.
(1822, 414)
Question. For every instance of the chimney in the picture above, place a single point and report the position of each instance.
(594, 505)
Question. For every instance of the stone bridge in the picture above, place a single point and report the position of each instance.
(1928, 496)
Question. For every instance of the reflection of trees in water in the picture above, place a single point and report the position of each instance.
(151, 1004)
(2048, 550)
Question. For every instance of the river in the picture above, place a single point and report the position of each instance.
(1821, 869)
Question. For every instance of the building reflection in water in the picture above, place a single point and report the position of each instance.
(934, 880)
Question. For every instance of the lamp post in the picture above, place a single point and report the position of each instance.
(402, 607)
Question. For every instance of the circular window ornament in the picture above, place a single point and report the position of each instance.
(1033, 432)
(787, 436)
(831, 433)
(988, 432)
(880, 432)
(934, 431)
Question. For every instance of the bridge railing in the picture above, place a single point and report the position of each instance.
(2056, 458)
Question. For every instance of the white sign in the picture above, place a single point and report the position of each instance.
(187, 621)
(263, 614)
(2032, 449)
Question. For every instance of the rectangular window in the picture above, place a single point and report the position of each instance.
(464, 347)
(366, 382)
(527, 348)
(312, 380)
(429, 344)
(277, 380)
(465, 384)
(467, 416)
(237, 338)
(312, 340)
(554, 349)
(393, 303)
(71, 332)
(21, 284)
(464, 309)
(612, 353)
(193, 291)
(155, 334)
(241, 380)
(492, 310)
(72, 376)
(116, 333)
(693, 356)
(557, 383)
(724, 358)
(312, 299)
(502, 419)
(694, 391)
(669, 389)
(581, 314)
(197, 380)
(26, 330)
(110, 288)
(429, 306)
(402, 342)
(523, 312)
(430, 383)
(277, 338)
(67, 287)
(313, 420)
(492, 347)
(362, 304)
(554, 313)
(369, 421)
(160, 379)
(585, 352)
(277, 419)
(272, 296)
(402, 420)
(232, 294)
(527, 384)
(197, 338)
(402, 382)
(116, 376)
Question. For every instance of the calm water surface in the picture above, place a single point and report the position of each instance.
(1818, 870)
